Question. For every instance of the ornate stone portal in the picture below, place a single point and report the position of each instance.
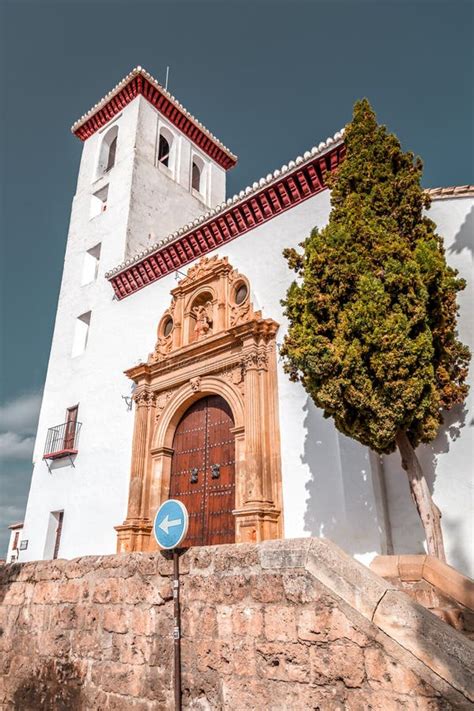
(210, 342)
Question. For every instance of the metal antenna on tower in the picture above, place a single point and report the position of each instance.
(167, 75)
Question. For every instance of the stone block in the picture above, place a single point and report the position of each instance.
(280, 623)
(285, 553)
(224, 621)
(63, 617)
(386, 566)
(283, 661)
(299, 587)
(246, 695)
(117, 678)
(131, 649)
(45, 592)
(13, 593)
(410, 567)
(143, 621)
(339, 660)
(213, 654)
(247, 621)
(89, 644)
(345, 577)
(198, 620)
(267, 588)
(244, 658)
(88, 615)
(161, 652)
(108, 590)
(71, 591)
(449, 581)
(125, 703)
(238, 557)
(386, 673)
(115, 619)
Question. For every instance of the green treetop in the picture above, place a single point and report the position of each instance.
(372, 334)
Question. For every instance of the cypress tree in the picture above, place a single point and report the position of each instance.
(372, 315)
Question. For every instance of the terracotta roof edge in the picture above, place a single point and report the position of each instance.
(118, 87)
(323, 147)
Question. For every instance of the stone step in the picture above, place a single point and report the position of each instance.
(436, 594)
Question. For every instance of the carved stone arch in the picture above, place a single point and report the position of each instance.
(234, 359)
(182, 398)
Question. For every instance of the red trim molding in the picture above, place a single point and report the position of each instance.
(163, 102)
(286, 191)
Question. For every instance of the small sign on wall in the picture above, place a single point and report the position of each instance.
(24, 545)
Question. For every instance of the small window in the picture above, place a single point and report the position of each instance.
(167, 327)
(90, 268)
(108, 151)
(15, 541)
(111, 156)
(163, 151)
(99, 201)
(241, 293)
(81, 334)
(196, 177)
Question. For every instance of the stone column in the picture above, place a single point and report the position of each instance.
(134, 533)
(137, 472)
(253, 427)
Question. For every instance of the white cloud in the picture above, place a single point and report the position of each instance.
(20, 416)
(15, 446)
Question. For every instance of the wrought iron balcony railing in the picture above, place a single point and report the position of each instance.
(62, 440)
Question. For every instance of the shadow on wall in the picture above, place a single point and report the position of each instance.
(450, 431)
(408, 534)
(340, 504)
(465, 237)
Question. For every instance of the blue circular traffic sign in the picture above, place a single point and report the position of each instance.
(171, 524)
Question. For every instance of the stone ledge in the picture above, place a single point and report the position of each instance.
(412, 568)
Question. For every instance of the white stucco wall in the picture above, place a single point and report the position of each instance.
(331, 485)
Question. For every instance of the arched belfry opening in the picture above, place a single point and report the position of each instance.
(206, 416)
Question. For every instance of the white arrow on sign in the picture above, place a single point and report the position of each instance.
(166, 524)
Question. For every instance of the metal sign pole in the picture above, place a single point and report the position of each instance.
(170, 528)
(176, 633)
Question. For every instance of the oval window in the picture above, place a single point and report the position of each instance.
(241, 294)
(167, 327)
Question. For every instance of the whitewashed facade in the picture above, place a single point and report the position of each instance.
(332, 486)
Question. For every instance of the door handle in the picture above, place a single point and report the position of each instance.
(194, 475)
(215, 471)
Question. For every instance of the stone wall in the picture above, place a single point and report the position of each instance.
(279, 625)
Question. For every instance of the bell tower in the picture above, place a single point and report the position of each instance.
(147, 168)
(148, 163)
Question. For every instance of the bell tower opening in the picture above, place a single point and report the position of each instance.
(203, 471)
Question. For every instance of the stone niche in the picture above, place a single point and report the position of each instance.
(210, 341)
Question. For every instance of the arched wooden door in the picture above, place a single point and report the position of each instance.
(203, 471)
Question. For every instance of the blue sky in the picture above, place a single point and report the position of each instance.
(269, 78)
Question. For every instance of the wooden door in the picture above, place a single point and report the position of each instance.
(70, 431)
(203, 471)
(59, 529)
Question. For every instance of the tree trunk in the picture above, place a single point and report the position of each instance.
(428, 511)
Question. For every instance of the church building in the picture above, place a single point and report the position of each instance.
(165, 378)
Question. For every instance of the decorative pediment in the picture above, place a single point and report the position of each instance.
(213, 298)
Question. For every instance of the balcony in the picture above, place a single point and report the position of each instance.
(62, 440)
